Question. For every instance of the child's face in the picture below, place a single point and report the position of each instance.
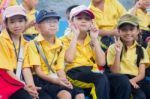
(49, 26)
(32, 3)
(16, 24)
(145, 3)
(83, 22)
(129, 33)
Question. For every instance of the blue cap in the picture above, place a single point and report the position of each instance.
(43, 14)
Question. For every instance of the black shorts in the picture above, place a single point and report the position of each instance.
(53, 89)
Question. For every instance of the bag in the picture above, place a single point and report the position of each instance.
(8, 85)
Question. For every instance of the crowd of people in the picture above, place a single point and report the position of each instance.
(103, 54)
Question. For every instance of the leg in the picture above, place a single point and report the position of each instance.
(120, 87)
(138, 94)
(145, 86)
(21, 94)
(44, 95)
(80, 96)
(63, 94)
(98, 82)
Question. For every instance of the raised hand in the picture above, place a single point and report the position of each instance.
(118, 44)
(74, 28)
(94, 32)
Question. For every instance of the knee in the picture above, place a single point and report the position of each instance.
(101, 78)
(123, 81)
(80, 96)
(64, 95)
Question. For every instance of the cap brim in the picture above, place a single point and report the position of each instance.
(127, 22)
(13, 14)
(48, 16)
(87, 12)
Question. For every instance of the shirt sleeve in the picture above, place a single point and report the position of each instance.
(34, 58)
(5, 60)
(146, 59)
(111, 55)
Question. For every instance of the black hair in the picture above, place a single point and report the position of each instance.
(69, 10)
(25, 18)
(139, 49)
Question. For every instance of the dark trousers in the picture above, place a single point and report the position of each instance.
(119, 86)
(21, 94)
(85, 75)
(137, 93)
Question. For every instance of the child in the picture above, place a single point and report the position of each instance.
(127, 57)
(140, 11)
(11, 43)
(83, 54)
(47, 57)
(29, 6)
(107, 13)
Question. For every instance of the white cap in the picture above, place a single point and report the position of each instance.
(12, 11)
(79, 9)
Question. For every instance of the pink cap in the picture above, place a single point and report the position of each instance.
(79, 9)
(12, 11)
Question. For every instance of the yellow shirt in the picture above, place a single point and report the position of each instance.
(8, 59)
(31, 17)
(148, 49)
(108, 18)
(55, 52)
(144, 19)
(128, 61)
(13, 2)
(85, 55)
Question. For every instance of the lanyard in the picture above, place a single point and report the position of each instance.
(15, 49)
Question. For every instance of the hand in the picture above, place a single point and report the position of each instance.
(63, 82)
(32, 90)
(74, 28)
(134, 84)
(118, 45)
(94, 32)
(68, 83)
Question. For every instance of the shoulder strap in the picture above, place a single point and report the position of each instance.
(20, 62)
(41, 52)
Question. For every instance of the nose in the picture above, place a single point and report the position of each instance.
(17, 24)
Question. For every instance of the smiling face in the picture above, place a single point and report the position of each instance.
(83, 21)
(16, 24)
(49, 26)
(128, 33)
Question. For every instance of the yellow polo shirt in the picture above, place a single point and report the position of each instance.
(144, 19)
(31, 17)
(85, 56)
(13, 2)
(148, 49)
(128, 61)
(55, 52)
(8, 59)
(108, 18)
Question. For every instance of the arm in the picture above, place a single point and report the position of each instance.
(115, 68)
(100, 55)
(113, 32)
(139, 77)
(71, 51)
